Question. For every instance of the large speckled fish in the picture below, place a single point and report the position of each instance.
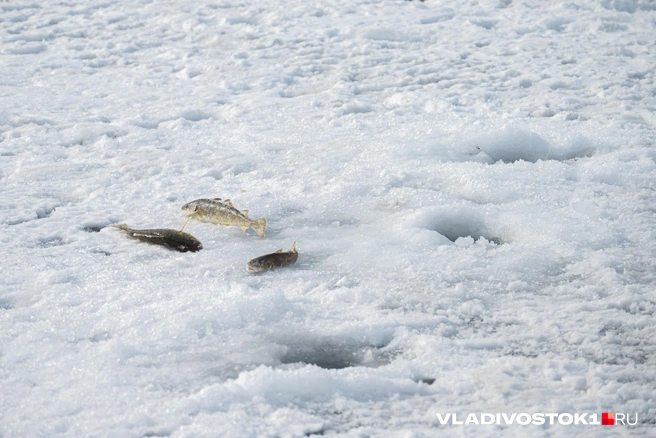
(221, 212)
(172, 239)
(275, 260)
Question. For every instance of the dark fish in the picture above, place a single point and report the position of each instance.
(275, 260)
(172, 239)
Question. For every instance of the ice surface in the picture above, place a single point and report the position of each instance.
(472, 188)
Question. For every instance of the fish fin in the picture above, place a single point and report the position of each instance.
(258, 226)
(293, 247)
(244, 228)
(228, 202)
(216, 199)
(184, 225)
(278, 252)
(244, 212)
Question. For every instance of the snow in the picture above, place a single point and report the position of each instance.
(471, 187)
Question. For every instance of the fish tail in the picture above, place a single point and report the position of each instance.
(293, 247)
(123, 227)
(258, 226)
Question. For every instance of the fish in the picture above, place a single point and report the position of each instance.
(172, 239)
(221, 212)
(274, 260)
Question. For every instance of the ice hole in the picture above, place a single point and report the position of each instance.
(460, 223)
(512, 145)
(334, 355)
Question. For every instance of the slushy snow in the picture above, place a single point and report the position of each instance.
(471, 185)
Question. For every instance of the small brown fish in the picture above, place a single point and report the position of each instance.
(275, 260)
(172, 239)
(221, 212)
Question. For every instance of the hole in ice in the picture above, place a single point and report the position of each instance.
(323, 356)
(459, 222)
(48, 242)
(485, 24)
(334, 355)
(194, 115)
(93, 228)
(318, 432)
(511, 145)
(98, 337)
(6, 304)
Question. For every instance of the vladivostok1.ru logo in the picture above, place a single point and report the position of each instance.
(538, 419)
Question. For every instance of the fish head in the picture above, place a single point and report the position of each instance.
(258, 265)
(190, 208)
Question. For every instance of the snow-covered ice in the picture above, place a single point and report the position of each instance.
(471, 185)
